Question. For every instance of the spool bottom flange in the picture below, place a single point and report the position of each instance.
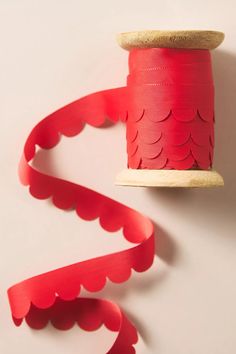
(169, 178)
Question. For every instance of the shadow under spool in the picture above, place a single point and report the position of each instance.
(170, 177)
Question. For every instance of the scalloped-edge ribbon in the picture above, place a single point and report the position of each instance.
(54, 296)
(171, 109)
(168, 108)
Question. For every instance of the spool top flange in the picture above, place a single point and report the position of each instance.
(192, 39)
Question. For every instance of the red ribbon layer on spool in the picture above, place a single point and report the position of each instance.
(171, 109)
(169, 125)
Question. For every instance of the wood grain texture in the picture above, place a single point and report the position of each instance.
(169, 178)
(192, 39)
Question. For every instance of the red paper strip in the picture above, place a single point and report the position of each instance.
(53, 296)
(171, 109)
(168, 107)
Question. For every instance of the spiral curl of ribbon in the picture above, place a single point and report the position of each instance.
(168, 109)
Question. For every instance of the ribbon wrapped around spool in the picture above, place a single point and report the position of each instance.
(54, 296)
(170, 123)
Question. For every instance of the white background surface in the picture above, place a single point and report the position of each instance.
(52, 52)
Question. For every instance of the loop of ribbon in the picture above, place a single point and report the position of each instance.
(53, 296)
(169, 119)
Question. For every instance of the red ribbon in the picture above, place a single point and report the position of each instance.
(54, 295)
(171, 109)
(168, 108)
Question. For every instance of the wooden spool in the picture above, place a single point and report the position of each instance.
(194, 39)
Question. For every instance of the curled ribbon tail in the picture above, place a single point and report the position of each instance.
(54, 296)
